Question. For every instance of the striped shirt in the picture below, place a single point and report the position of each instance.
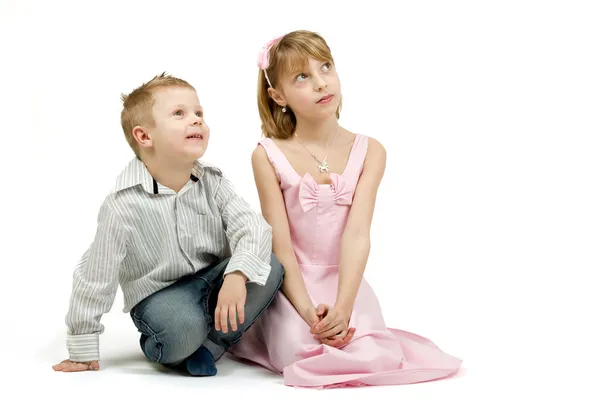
(149, 236)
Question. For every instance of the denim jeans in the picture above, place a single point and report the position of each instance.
(175, 321)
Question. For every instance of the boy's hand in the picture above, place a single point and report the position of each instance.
(231, 301)
(74, 366)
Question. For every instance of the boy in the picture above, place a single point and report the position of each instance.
(193, 260)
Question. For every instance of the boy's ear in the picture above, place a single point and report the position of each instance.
(277, 97)
(142, 137)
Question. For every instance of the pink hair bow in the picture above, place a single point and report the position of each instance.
(263, 57)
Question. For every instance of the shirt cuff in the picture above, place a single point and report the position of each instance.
(83, 347)
(256, 270)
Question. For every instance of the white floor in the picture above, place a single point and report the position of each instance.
(124, 369)
(498, 366)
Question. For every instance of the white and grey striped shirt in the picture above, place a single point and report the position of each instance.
(149, 236)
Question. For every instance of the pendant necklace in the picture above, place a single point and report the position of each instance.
(322, 166)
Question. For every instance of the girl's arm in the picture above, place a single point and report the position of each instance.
(274, 212)
(356, 242)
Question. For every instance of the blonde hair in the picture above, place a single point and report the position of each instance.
(137, 105)
(291, 51)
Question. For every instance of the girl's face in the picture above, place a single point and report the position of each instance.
(312, 92)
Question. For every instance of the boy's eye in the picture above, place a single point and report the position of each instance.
(178, 112)
(199, 114)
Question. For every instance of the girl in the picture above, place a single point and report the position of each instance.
(317, 184)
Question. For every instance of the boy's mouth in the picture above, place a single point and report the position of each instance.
(196, 136)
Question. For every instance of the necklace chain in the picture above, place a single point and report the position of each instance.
(322, 165)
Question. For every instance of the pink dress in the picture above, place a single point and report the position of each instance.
(280, 339)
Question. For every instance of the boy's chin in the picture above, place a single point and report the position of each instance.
(195, 154)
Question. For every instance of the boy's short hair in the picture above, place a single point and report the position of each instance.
(137, 105)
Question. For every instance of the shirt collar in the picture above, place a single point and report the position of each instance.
(136, 173)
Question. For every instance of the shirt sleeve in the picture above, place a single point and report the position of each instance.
(95, 284)
(249, 235)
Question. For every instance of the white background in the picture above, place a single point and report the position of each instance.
(486, 231)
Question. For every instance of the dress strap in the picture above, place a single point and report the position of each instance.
(283, 169)
(357, 157)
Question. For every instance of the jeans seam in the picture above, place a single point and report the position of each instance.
(153, 336)
(209, 283)
(206, 301)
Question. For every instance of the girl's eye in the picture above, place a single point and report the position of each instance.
(326, 66)
(301, 77)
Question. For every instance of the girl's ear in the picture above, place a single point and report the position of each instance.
(277, 97)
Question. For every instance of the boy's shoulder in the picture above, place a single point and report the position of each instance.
(203, 166)
(210, 175)
(133, 174)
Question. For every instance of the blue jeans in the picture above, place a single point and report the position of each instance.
(175, 321)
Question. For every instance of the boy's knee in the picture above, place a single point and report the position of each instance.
(261, 295)
(275, 278)
(277, 271)
(175, 337)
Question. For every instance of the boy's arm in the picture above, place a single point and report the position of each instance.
(95, 283)
(249, 235)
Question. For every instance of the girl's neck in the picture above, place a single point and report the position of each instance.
(317, 131)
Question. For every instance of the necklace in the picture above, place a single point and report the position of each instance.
(322, 165)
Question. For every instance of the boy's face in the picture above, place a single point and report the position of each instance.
(179, 129)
